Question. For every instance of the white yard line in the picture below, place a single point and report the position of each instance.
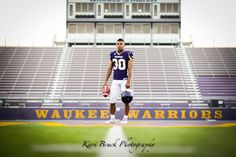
(108, 147)
(115, 136)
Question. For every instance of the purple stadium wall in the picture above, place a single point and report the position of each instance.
(103, 114)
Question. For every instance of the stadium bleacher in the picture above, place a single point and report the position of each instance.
(157, 75)
(215, 69)
(213, 61)
(165, 77)
(217, 86)
(27, 72)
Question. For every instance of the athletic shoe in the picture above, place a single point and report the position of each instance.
(110, 121)
(124, 121)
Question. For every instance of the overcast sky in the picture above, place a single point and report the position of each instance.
(28, 22)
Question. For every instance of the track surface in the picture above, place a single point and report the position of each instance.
(131, 123)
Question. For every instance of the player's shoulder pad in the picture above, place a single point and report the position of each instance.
(112, 54)
(131, 55)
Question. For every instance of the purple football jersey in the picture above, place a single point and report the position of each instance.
(120, 64)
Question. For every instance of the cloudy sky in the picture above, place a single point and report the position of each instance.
(35, 22)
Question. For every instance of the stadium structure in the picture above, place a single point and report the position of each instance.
(138, 22)
(169, 81)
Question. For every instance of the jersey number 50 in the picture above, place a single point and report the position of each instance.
(118, 64)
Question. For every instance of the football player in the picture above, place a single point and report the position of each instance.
(121, 62)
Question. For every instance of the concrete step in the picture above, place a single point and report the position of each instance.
(50, 105)
(197, 105)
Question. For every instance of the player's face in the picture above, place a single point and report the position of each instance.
(120, 45)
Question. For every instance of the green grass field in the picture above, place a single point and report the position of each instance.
(213, 141)
(17, 140)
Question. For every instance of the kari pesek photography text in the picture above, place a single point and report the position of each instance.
(130, 144)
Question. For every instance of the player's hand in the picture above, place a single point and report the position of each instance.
(105, 84)
(127, 85)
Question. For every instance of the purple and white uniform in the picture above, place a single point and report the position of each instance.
(120, 66)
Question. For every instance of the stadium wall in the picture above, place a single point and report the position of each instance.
(103, 114)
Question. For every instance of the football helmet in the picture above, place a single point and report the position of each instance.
(127, 96)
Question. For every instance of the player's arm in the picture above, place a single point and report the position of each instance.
(109, 71)
(129, 73)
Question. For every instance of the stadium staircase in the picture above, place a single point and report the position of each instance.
(59, 77)
(190, 79)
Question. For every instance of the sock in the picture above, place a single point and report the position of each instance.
(125, 117)
(112, 116)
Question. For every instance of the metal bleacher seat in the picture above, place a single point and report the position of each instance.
(157, 75)
(86, 72)
(26, 72)
(213, 61)
(215, 69)
(161, 76)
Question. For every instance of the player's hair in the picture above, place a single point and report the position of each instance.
(120, 39)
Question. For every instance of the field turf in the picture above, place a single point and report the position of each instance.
(202, 141)
(20, 139)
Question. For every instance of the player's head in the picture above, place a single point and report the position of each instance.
(120, 44)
